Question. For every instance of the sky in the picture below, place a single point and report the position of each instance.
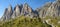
(32, 3)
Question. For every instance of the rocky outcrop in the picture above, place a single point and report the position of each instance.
(19, 10)
(42, 11)
(16, 11)
(49, 9)
(27, 10)
(4, 16)
(8, 12)
(54, 9)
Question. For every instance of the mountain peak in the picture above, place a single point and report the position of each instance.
(25, 4)
(9, 8)
(49, 9)
(5, 10)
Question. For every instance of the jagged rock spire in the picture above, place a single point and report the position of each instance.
(16, 12)
(5, 11)
(8, 12)
(27, 8)
(9, 8)
(4, 17)
(19, 10)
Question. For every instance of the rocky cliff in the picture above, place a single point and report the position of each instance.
(43, 10)
(8, 12)
(54, 9)
(49, 9)
(19, 10)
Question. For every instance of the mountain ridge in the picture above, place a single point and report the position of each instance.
(19, 10)
(49, 9)
(48, 15)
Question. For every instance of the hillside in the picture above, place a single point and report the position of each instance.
(23, 21)
(24, 16)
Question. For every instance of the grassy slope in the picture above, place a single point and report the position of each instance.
(54, 20)
(23, 22)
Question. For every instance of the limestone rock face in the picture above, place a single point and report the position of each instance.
(42, 11)
(26, 10)
(54, 9)
(8, 12)
(4, 16)
(19, 10)
(16, 11)
(49, 9)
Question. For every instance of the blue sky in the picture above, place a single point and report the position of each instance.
(32, 3)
